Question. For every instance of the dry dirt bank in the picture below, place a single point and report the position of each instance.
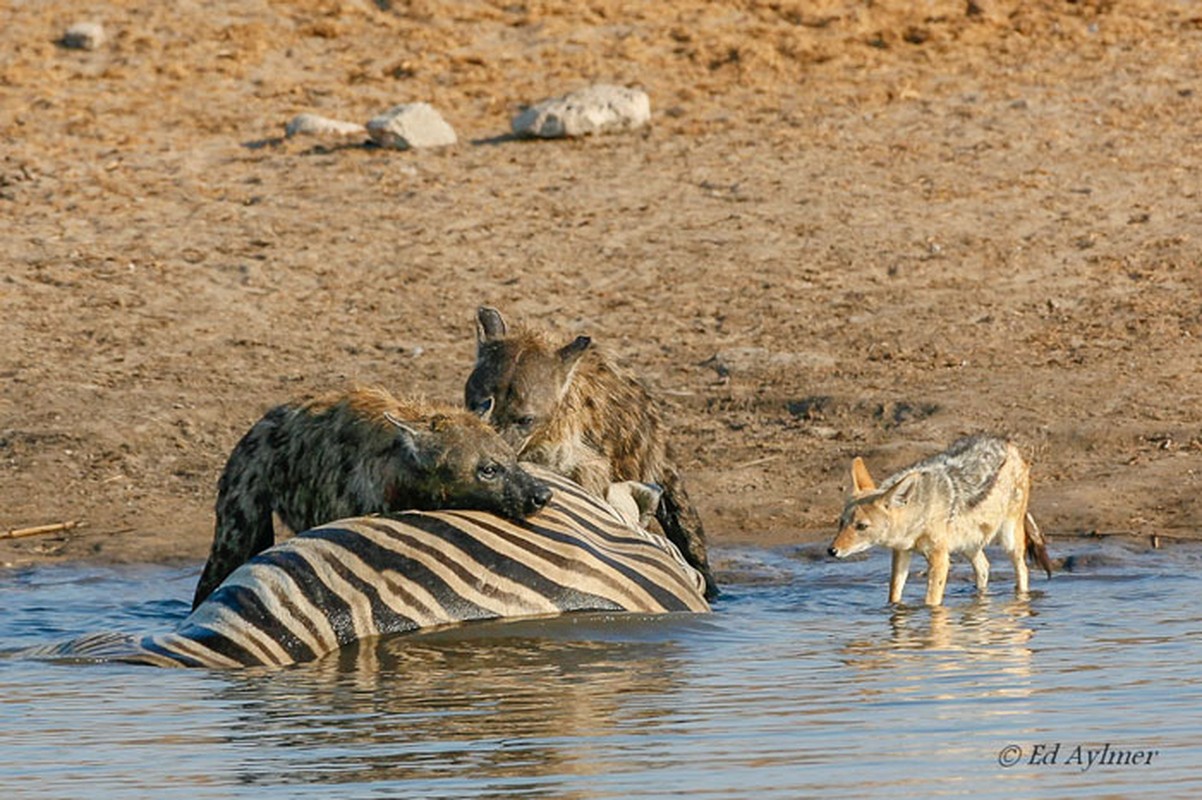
(853, 228)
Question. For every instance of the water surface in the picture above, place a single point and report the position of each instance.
(802, 683)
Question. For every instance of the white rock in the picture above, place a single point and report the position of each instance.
(597, 109)
(84, 36)
(411, 125)
(315, 125)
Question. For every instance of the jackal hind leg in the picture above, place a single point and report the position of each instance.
(938, 564)
(980, 569)
(898, 574)
(1014, 532)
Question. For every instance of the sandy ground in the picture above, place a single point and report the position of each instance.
(852, 228)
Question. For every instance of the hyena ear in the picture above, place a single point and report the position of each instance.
(861, 481)
(570, 353)
(490, 326)
(407, 436)
(569, 357)
(483, 408)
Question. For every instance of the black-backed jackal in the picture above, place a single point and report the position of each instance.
(957, 501)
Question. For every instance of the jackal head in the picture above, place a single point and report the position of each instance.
(459, 462)
(870, 516)
(519, 378)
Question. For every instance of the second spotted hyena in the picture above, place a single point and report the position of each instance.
(362, 452)
(569, 408)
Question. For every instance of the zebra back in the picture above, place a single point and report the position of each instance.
(370, 576)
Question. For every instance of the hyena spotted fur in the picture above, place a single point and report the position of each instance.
(353, 454)
(569, 408)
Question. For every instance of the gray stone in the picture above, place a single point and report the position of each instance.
(411, 125)
(84, 36)
(315, 125)
(601, 108)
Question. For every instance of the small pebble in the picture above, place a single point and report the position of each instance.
(411, 125)
(314, 125)
(601, 108)
(84, 36)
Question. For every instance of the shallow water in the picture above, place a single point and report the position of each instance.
(802, 683)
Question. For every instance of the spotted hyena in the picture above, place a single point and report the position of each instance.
(357, 453)
(569, 408)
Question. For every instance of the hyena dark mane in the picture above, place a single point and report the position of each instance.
(353, 454)
(572, 409)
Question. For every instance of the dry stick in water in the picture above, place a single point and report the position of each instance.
(20, 533)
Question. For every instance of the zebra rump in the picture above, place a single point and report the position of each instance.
(371, 576)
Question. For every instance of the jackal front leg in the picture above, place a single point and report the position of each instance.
(938, 562)
(901, 571)
(980, 569)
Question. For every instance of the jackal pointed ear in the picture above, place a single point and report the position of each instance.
(490, 325)
(861, 481)
(900, 493)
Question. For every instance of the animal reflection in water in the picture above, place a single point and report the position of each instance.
(965, 638)
(371, 576)
(506, 699)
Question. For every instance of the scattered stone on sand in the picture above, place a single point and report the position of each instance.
(601, 108)
(411, 125)
(84, 36)
(316, 125)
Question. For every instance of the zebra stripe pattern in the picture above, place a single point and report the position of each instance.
(370, 576)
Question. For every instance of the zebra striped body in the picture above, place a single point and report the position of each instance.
(370, 576)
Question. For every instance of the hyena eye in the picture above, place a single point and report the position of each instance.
(488, 472)
(861, 525)
(526, 422)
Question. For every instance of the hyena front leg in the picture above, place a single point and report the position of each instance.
(244, 526)
(230, 551)
(897, 578)
(938, 563)
(681, 523)
(980, 569)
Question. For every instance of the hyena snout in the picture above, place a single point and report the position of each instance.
(538, 498)
(832, 551)
(526, 494)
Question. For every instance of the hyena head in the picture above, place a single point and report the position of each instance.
(634, 501)
(460, 462)
(870, 516)
(519, 379)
